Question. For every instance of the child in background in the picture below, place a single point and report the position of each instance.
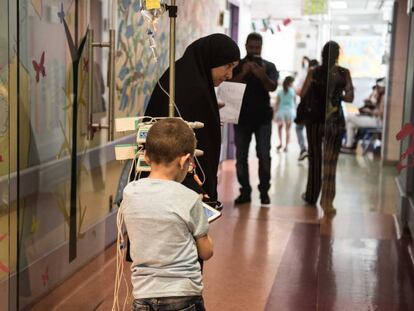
(285, 110)
(166, 224)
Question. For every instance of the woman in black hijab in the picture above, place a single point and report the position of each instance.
(206, 63)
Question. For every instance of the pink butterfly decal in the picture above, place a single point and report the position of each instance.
(45, 277)
(85, 64)
(4, 268)
(406, 131)
(40, 67)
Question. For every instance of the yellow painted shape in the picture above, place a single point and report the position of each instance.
(153, 4)
(38, 7)
(35, 224)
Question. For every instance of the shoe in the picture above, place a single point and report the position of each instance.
(303, 155)
(286, 149)
(264, 199)
(329, 211)
(279, 147)
(215, 204)
(303, 196)
(348, 150)
(241, 199)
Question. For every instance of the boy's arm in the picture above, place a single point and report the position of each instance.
(204, 247)
(199, 229)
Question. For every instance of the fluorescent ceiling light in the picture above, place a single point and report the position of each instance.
(341, 18)
(344, 27)
(338, 5)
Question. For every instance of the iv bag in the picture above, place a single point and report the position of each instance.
(153, 9)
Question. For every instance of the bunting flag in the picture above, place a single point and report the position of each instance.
(265, 25)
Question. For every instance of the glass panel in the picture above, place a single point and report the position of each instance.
(408, 109)
(64, 203)
(44, 145)
(5, 254)
(362, 59)
(67, 182)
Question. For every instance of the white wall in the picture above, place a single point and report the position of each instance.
(245, 22)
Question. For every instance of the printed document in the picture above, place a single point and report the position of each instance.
(231, 94)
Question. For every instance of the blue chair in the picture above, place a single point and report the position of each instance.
(369, 137)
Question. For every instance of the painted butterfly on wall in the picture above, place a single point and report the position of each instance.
(406, 131)
(45, 277)
(61, 14)
(40, 67)
(85, 64)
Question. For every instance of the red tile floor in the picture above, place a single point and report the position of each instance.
(283, 257)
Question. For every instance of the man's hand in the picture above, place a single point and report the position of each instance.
(258, 71)
(246, 68)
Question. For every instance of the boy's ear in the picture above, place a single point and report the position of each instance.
(183, 160)
(147, 159)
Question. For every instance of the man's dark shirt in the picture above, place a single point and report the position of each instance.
(256, 107)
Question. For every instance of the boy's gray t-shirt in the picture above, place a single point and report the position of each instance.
(162, 218)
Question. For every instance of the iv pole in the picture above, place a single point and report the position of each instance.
(172, 10)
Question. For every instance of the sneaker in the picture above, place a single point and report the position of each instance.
(279, 147)
(286, 149)
(303, 155)
(241, 199)
(264, 199)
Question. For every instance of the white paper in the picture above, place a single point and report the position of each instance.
(231, 94)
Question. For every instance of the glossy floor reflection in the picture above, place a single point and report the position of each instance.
(323, 273)
(282, 257)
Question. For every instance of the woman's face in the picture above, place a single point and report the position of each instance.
(222, 73)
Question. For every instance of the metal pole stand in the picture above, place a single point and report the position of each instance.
(172, 10)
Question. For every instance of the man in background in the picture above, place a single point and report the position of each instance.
(255, 117)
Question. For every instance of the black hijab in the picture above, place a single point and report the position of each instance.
(196, 99)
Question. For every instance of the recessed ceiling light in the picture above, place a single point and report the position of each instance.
(338, 5)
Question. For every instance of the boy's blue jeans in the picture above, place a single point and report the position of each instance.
(188, 303)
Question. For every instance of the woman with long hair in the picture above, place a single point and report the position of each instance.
(324, 89)
(285, 110)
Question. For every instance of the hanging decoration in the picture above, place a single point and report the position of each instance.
(265, 25)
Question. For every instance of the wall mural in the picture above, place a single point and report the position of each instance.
(136, 72)
(48, 67)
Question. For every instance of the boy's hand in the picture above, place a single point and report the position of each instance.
(220, 105)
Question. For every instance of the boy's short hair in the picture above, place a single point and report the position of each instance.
(168, 139)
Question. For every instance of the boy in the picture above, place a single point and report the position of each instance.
(166, 224)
